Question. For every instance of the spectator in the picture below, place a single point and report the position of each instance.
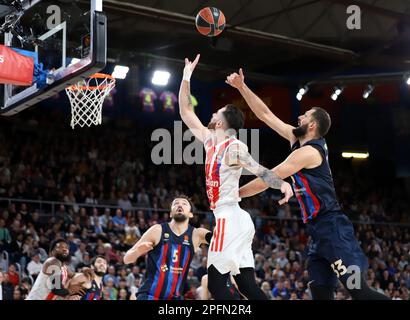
(282, 260)
(105, 218)
(111, 275)
(119, 221)
(132, 233)
(124, 202)
(6, 288)
(191, 293)
(191, 279)
(280, 291)
(5, 237)
(109, 292)
(13, 276)
(123, 294)
(133, 276)
(202, 270)
(17, 293)
(267, 290)
(34, 266)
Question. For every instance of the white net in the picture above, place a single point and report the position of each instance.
(87, 98)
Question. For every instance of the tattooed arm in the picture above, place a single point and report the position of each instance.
(185, 104)
(238, 155)
(305, 157)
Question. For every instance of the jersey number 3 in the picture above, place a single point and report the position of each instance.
(339, 268)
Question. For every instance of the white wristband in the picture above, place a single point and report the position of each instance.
(186, 77)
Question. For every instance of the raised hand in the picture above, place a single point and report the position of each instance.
(190, 67)
(236, 80)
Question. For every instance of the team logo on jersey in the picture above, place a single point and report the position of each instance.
(296, 188)
(186, 240)
(299, 190)
(164, 268)
(166, 235)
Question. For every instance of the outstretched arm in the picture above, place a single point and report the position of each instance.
(238, 155)
(260, 109)
(305, 157)
(147, 242)
(185, 105)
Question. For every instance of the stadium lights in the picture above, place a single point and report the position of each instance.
(408, 81)
(355, 155)
(368, 91)
(301, 92)
(120, 72)
(336, 93)
(160, 78)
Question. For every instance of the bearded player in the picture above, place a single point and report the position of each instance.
(91, 287)
(334, 253)
(170, 247)
(231, 245)
(51, 283)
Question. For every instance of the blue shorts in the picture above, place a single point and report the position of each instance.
(334, 252)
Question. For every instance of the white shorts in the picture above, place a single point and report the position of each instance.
(231, 243)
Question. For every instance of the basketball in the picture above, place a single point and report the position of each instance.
(210, 21)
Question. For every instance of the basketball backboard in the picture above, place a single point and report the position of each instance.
(67, 37)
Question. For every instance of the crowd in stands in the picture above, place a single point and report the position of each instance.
(99, 179)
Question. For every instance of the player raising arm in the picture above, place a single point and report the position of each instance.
(185, 104)
(333, 249)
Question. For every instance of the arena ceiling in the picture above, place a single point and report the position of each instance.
(287, 39)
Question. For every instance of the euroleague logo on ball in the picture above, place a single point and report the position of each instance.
(210, 21)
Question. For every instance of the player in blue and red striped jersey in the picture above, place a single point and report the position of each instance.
(91, 288)
(170, 247)
(334, 252)
(94, 288)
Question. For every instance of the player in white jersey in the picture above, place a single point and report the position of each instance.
(51, 281)
(231, 245)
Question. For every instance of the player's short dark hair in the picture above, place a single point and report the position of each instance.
(56, 242)
(234, 117)
(322, 119)
(93, 260)
(184, 196)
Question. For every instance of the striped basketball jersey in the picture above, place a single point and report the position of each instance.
(314, 188)
(93, 293)
(168, 265)
(222, 181)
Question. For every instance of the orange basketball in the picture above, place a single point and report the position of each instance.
(210, 21)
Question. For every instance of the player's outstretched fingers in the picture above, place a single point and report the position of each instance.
(195, 61)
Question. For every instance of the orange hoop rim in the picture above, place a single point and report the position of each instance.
(75, 87)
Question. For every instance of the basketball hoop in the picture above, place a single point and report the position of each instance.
(87, 97)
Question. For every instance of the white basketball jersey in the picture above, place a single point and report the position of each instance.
(222, 181)
(41, 289)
